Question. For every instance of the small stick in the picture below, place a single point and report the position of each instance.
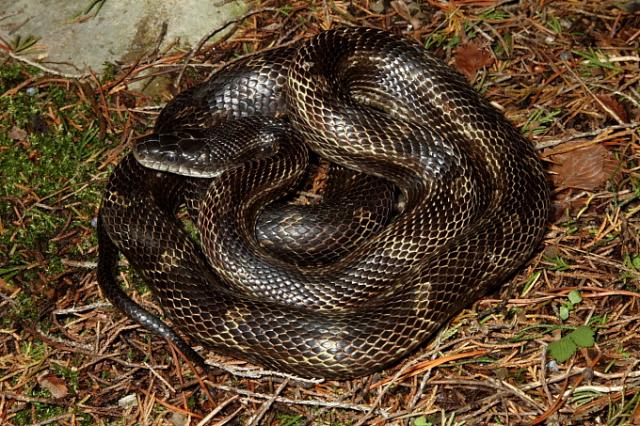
(46, 69)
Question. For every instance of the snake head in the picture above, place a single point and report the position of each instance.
(208, 152)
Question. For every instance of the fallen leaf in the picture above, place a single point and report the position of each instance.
(55, 385)
(17, 134)
(470, 57)
(586, 168)
(614, 105)
(402, 9)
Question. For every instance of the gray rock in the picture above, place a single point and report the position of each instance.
(70, 38)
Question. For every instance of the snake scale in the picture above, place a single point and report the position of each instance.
(475, 204)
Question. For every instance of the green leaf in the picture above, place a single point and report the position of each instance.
(564, 312)
(563, 349)
(575, 297)
(582, 336)
(422, 421)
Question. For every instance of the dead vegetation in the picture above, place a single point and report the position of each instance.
(566, 72)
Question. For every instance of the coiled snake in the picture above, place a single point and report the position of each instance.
(475, 204)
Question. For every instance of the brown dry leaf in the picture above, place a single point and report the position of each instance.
(614, 105)
(402, 9)
(470, 57)
(55, 385)
(17, 134)
(586, 168)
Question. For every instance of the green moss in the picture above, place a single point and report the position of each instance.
(11, 75)
(37, 411)
(48, 141)
(290, 419)
(35, 350)
(26, 307)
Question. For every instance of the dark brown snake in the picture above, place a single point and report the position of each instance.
(475, 205)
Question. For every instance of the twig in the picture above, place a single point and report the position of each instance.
(86, 349)
(7, 299)
(615, 59)
(79, 264)
(211, 415)
(203, 40)
(486, 405)
(419, 367)
(307, 402)
(554, 142)
(53, 419)
(407, 367)
(45, 69)
(519, 393)
(543, 375)
(256, 373)
(23, 398)
(229, 417)
(421, 388)
(594, 388)
(265, 407)
(611, 112)
(162, 379)
(83, 308)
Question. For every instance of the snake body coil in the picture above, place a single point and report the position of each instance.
(475, 196)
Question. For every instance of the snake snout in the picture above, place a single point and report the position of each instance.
(207, 152)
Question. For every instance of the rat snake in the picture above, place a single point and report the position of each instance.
(474, 193)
